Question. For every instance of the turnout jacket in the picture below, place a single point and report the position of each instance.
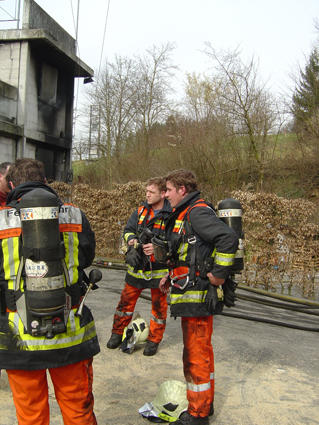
(18, 349)
(200, 243)
(149, 273)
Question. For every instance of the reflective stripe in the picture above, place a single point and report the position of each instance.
(148, 274)
(66, 339)
(198, 388)
(182, 251)
(71, 243)
(159, 321)
(211, 376)
(224, 259)
(123, 313)
(127, 235)
(178, 225)
(70, 218)
(11, 259)
(188, 297)
(10, 224)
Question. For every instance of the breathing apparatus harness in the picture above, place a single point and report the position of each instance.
(135, 255)
(43, 294)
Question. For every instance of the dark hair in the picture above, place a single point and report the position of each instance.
(4, 166)
(160, 182)
(26, 170)
(182, 177)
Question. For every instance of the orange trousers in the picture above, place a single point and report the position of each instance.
(198, 361)
(125, 309)
(73, 392)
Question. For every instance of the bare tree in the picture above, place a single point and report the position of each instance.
(153, 86)
(251, 111)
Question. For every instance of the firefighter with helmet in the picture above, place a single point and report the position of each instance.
(142, 270)
(45, 245)
(202, 251)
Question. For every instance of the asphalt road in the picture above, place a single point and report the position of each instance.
(264, 374)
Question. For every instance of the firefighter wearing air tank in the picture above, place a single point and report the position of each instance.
(45, 245)
(143, 271)
(201, 252)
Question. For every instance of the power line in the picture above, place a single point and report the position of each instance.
(105, 25)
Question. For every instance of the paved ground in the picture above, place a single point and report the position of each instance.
(265, 374)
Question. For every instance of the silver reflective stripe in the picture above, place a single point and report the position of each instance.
(156, 320)
(11, 258)
(188, 297)
(230, 212)
(70, 214)
(9, 219)
(67, 341)
(212, 376)
(198, 388)
(71, 256)
(123, 313)
(223, 259)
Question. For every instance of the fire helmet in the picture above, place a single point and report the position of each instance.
(135, 333)
(169, 403)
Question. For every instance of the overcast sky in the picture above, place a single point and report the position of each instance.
(279, 33)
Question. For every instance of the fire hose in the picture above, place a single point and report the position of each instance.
(297, 305)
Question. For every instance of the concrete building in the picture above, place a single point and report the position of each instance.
(38, 65)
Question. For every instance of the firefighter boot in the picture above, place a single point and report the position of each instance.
(150, 348)
(187, 419)
(114, 341)
(211, 410)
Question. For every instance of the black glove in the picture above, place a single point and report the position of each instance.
(229, 288)
(133, 257)
(213, 303)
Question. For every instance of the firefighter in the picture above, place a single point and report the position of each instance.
(34, 336)
(202, 251)
(143, 272)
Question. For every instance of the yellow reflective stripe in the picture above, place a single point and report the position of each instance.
(71, 243)
(127, 235)
(64, 340)
(189, 297)
(182, 251)
(177, 225)
(11, 259)
(213, 253)
(155, 274)
(224, 259)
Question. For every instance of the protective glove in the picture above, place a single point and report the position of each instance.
(229, 288)
(213, 302)
(133, 257)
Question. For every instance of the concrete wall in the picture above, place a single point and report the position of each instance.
(35, 17)
(7, 149)
(8, 102)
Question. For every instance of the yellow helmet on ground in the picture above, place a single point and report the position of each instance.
(135, 333)
(169, 403)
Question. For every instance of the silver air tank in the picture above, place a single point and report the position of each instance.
(42, 252)
(230, 212)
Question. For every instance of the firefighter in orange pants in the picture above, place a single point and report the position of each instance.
(45, 244)
(126, 306)
(30, 394)
(143, 271)
(201, 255)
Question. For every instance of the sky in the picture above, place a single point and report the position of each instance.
(278, 33)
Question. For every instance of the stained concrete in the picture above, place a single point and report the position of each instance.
(265, 374)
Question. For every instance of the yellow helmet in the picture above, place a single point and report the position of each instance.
(135, 333)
